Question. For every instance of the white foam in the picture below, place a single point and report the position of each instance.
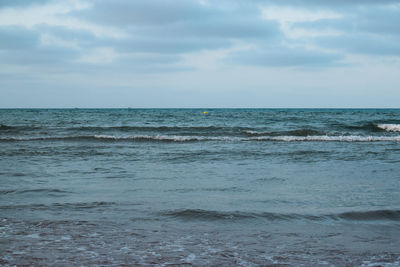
(33, 235)
(174, 138)
(101, 136)
(67, 237)
(286, 138)
(383, 264)
(179, 138)
(389, 127)
(327, 138)
(254, 132)
(190, 258)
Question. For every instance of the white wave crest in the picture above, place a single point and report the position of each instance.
(253, 132)
(179, 138)
(172, 138)
(389, 127)
(327, 138)
(288, 138)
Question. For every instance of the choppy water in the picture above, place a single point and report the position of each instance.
(234, 187)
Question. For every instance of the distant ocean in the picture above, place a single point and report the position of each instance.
(233, 187)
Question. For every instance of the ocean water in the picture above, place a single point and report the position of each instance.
(244, 187)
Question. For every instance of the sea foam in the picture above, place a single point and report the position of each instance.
(389, 127)
(180, 138)
(328, 138)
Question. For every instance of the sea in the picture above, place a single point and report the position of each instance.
(199, 187)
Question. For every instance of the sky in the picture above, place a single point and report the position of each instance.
(199, 53)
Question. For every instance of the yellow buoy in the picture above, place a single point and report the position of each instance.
(205, 112)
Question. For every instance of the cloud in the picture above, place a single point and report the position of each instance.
(159, 35)
(131, 50)
(366, 44)
(54, 13)
(337, 4)
(150, 12)
(52, 58)
(22, 46)
(14, 3)
(160, 45)
(382, 20)
(105, 32)
(179, 26)
(285, 57)
(360, 30)
(15, 38)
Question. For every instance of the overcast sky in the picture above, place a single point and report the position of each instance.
(200, 53)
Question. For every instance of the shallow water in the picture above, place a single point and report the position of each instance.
(236, 186)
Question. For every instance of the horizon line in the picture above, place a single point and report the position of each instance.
(5, 108)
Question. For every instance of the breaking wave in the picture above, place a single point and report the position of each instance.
(389, 127)
(138, 138)
(374, 127)
(157, 128)
(327, 138)
(180, 138)
(299, 132)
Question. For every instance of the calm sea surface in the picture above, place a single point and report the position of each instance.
(246, 187)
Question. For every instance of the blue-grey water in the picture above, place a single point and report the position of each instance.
(243, 187)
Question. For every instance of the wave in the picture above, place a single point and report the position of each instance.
(299, 132)
(209, 215)
(211, 189)
(180, 138)
(360, 126)
(5, 127)
(393, 215)
(373, 127)
(148, 138)
(39, 190)
(79, 205)
(109, 138)
(193, 214)
(164, 138)
(389, 127)
(330, 138)
(209, 131)
(156, 128)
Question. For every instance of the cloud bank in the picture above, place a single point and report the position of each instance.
(165, 46)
